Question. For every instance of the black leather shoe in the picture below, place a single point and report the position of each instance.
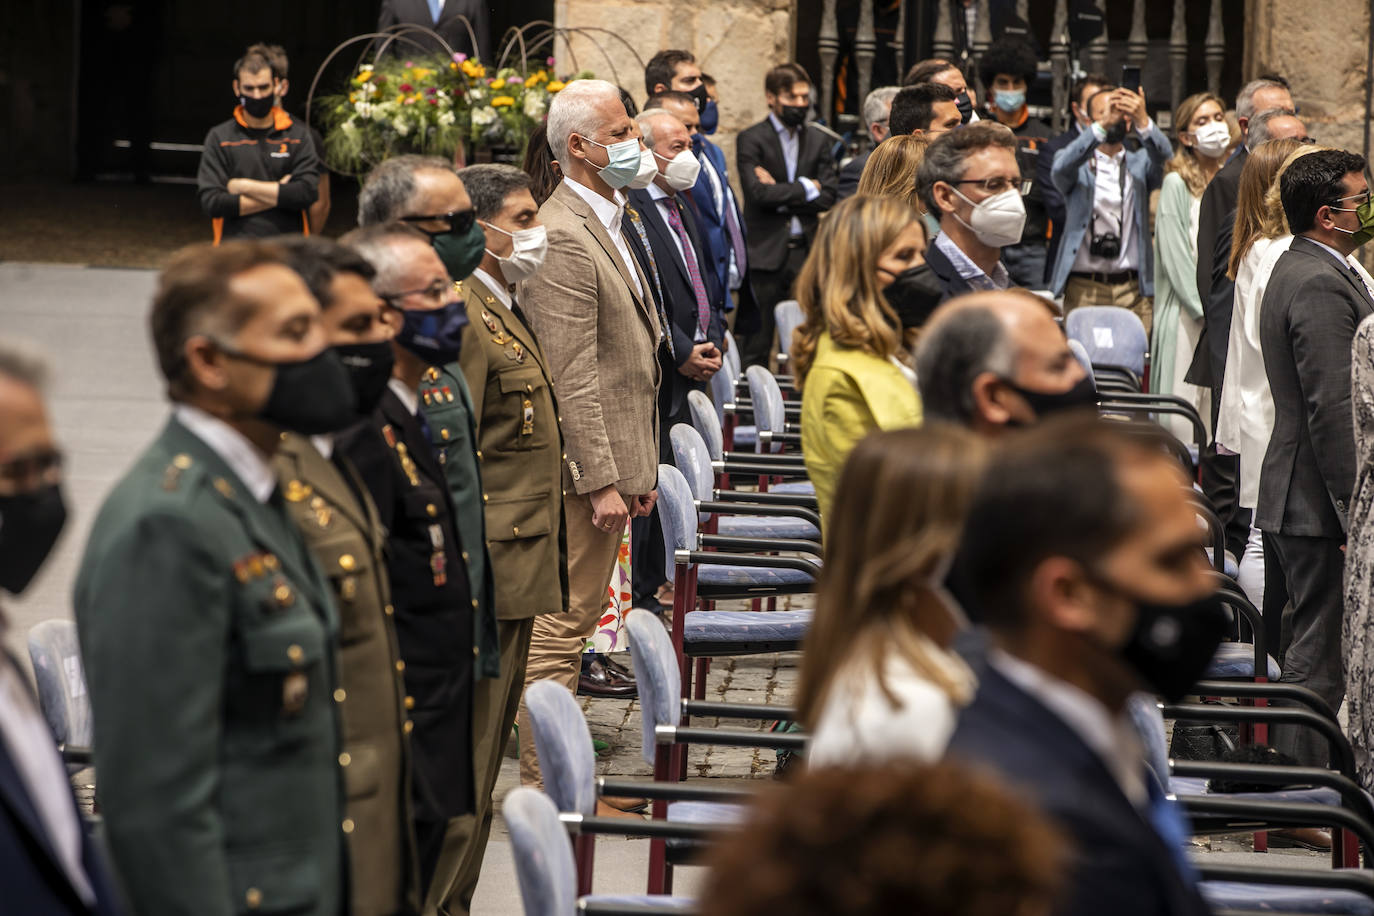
(617, 670)
(598, 680)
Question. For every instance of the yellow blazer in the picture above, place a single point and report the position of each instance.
(848, 394)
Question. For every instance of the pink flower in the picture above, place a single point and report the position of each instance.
(432, 90)
(434, 101)
(550, 61)
(459, 57)
(409, 64)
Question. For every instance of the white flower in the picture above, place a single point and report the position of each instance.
(351, 126)
(481, 117)
(474, 95)
(363, 109)
(446, 119)
(534, 106)
(401, 125)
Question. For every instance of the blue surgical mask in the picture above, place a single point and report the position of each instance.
(710, 118)
(1009, 101)
(622, 165)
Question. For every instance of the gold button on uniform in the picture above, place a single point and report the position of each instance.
(348, 825)
(345, 759)
(408, 727)
(388, 610)
(400, 665)
(295, 653)
(431, 511)
(182, 461)
(340, 695)
(410, 702)
(443, 434)
(479, 454)
(253, 898)
(474, 602)
(484, 497)
(515, 529)
(347, 563)
(465, 556)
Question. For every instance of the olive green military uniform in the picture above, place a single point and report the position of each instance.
(508, 422)
(208, 634)
(341, 526)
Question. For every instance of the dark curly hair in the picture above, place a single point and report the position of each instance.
(938, 840)
(1012, 56)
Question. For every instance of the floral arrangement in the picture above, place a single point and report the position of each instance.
(435, 106)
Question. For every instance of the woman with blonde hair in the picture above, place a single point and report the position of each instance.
(1204, 140)
(851, 355)
(891, 171)
(879, 679)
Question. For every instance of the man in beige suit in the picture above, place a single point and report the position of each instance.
(593, 312)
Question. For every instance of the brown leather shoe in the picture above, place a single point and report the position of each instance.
(599, 680)
(617, 671)
(1314, 838)
(623, 804)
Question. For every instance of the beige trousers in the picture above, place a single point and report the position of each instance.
(494, 703)
(1081, 291)
(558, 639)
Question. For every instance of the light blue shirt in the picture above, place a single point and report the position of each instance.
(969, 271)
(791, 147)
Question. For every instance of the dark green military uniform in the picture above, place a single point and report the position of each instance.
(208, 634)
(331, 505)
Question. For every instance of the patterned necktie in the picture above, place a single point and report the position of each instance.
(667, 337)
(673, 209)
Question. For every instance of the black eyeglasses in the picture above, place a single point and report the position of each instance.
(459, 221)
(999, 184)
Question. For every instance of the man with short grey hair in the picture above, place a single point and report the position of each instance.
(995, 360)
(593, 309)
(1218, 474)
(1275, 124)
(877, 106)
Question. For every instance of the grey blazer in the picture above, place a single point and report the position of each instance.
(1308, 318)
(600, 340)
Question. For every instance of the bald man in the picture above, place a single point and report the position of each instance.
(993, 360)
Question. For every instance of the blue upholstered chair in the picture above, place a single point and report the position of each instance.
(787, 316)
(706, 421)
(61, 680)
(1080, 353)
(1113, 336)
(546, 871)
(736, 515)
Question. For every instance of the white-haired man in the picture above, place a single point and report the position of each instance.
(877, 106)
(593, 311)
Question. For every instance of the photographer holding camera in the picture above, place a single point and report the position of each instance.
(1105, 256)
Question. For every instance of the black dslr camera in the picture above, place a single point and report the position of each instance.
(1107, 245)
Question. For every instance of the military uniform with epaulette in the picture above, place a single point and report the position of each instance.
(341, 525)
(208, 634)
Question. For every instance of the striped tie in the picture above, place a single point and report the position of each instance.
(693, 271)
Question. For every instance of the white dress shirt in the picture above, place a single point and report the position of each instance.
(1113, 210)
(409, 398)
(242, 456)
(1113, 738)
(791, 149)
(33, 751)
(498, 289)
(609, 214)
(860, 724)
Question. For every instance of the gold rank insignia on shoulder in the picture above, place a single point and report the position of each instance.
(498, 333)
(295, 491)
(225, 488)
(431, 374)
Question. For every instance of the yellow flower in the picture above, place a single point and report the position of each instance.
(556, 86)
(420, 73)
(363, 77)
(473, 70)
(530, 81)
(502, 101)
(498, 84)
(353, 97)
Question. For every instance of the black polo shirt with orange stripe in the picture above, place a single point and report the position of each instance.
(235, 150)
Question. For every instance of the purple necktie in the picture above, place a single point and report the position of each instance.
(693, 272)
(736, 236)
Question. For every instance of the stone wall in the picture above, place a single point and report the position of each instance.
(736, 41)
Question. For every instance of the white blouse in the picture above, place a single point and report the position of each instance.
(859, 724)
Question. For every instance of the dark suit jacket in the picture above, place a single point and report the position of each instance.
(1308, 318)
(1216, 223)
(433, 618)
(449, 27)
(34, 881)
(850, 173)
(1119, 865)
(712, 224)
(943, 267)
(769, 208)
(679, 301)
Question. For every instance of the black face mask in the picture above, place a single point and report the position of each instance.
(311, 397)
(258, 108)
(700, 97)
(1081, 396)
(1171, 645)
(965, 106)
(914, 294)
(793, 115)
(369, 369)
(29, 526)
(1116, 133)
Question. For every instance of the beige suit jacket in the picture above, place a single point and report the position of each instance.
(599, 338)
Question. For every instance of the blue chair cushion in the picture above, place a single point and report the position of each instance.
(762, 526)
(801, 487)
(1274, 898)
(751, 576)
(742, 626)
(746, 437)
(656, 900)
(1196, 785)
(698, 812)
(1237, 660)
(1228, 564)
